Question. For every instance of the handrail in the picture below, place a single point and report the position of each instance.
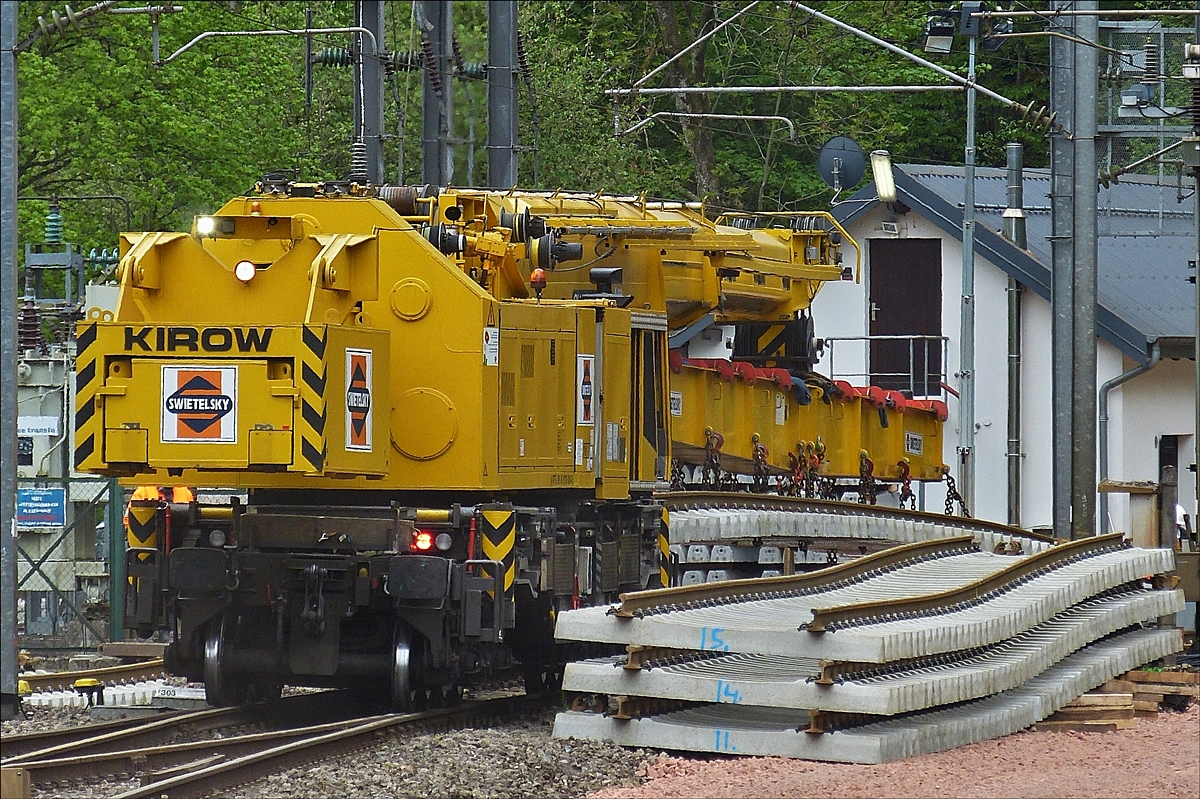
(871, 612)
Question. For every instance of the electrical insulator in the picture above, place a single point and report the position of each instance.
(54, 224)
(358, 161)
(523, 60)
(457, 53)
(58, 22)
(1153, 71)
(435, 77)
(410, 59)
(333, 56)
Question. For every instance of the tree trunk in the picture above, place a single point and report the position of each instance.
(679, 29)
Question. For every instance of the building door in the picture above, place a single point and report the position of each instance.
(906, 300)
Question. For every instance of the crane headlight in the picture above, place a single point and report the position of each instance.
(205, 225)
(244, 271)
(422, 540)
(443, 541)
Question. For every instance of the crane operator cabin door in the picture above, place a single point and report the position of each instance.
(906, 300)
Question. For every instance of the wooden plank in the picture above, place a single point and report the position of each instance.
(14, 783)
(1117, 687)
(1093, 713)
(1147, 706)
(1102, 700)
(1164, 688)
(1173, 677)
(1085, 726)
(1142, 696)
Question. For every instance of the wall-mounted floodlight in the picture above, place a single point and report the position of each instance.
(881, 169)
(939, 33)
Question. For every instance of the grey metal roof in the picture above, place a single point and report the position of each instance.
(1145, 240)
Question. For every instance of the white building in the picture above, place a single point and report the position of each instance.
(911, 285)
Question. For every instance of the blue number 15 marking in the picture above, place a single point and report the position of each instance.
(710, 640)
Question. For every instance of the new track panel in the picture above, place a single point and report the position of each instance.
(739, 729)
(782, 681)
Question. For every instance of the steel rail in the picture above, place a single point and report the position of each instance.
(158, 758)
(699, 500)
(108, 675)
(22, 744)
(240, 771)
(132, 736)
(830, 618)
(637, 603)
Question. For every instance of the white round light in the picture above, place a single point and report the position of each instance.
(217, 538)
(205, 225)
(443, 541)
(244, 271)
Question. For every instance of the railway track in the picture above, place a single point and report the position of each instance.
(200, 768)
(137, 733)
(880, 647)
(129, 672)
(716, 517)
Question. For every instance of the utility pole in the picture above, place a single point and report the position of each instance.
(502, 94)
(966, 352)
(368, 88)
(1062, 169)
(1083, 331)
(436, 20)
(9, 700)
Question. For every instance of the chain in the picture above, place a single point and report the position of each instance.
(953, 496)
(711, 472)
(677, 483)
(761, 473)
(866, 479)
(907, 497)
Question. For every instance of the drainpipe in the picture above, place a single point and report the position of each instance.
(1014, 231)
(1104, 389)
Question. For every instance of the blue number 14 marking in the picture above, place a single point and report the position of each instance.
(727, 693)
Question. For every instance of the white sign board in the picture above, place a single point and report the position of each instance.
(37, 425)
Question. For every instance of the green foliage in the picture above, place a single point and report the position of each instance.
(98, 117)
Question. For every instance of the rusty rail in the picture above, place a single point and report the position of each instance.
(207, 780)
(824, 619)
(637, 603)
(147, 670)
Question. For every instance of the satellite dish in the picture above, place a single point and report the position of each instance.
(841, 163)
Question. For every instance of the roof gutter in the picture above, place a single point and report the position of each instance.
(1155, 356)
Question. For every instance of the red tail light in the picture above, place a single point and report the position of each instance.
(422, 541)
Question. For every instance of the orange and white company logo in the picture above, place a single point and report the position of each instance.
(358, 400)
(199, 404)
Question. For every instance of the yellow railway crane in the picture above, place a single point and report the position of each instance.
(449, 412)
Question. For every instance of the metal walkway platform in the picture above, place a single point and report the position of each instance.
(781, 681)
(740, 729)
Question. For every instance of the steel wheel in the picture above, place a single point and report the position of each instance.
(219, 690)
(403, 685)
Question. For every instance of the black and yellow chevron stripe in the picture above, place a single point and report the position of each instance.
(664, 550)
(89, 427)
(311, 424)
(141, 524)
(499, 538)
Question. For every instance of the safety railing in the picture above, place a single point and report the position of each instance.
(912, 365)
